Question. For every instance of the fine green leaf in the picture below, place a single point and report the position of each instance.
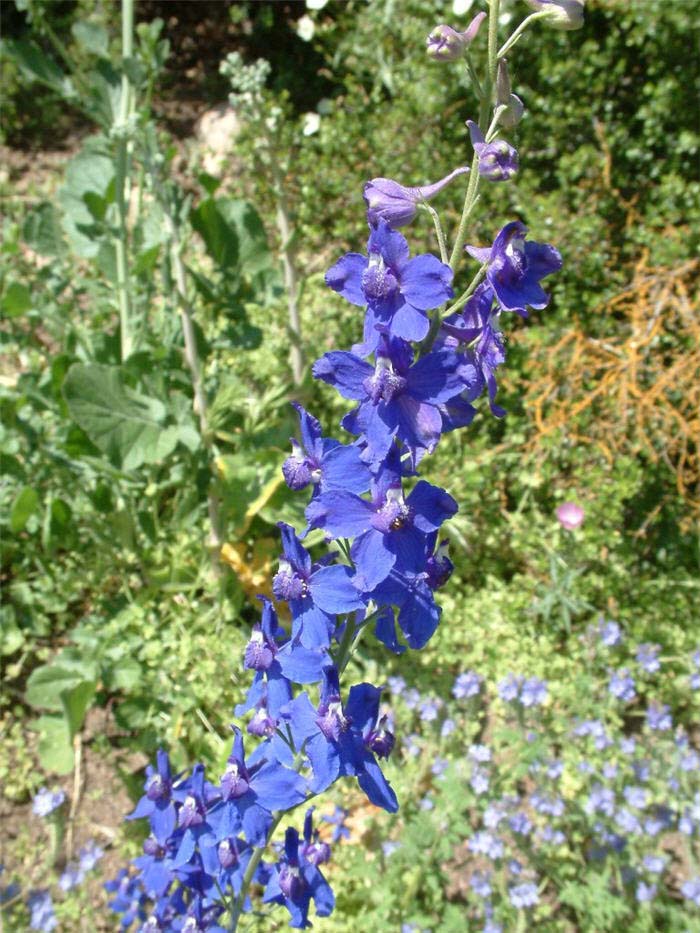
(91, 36)
(42, 230)
(36, 65)
(217, 231)
(124, 424)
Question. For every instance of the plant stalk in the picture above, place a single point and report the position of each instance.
(291, 284)
(122, 183)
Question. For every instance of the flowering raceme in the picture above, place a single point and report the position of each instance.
(416, 374)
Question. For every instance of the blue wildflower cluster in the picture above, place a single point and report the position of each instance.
(539, 796)
(414, 376)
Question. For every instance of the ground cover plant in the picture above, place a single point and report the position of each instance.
(553, 783)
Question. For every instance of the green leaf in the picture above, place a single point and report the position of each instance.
(47, 683)
(91, 37)
(219, 235)
(25, 505)
(76, 702)
(55, 745)
(89, 173)
(126, 426)
(42, 230)
(16, 300)
(253, 250)
(36, 65)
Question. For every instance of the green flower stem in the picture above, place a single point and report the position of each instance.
(216, 535)
(439, 317)
(289, 270)
(255, 858)
(509, 43)
(122, 182)
(440, 233)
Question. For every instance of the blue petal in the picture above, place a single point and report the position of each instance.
(309, 427)
(325, 762)
(390, 244)
(409, 323)
(256, 822)
(332, 590)
(419, 616)
(294, 551)
(377, 788)
(436, 377)
(279, 690)
(432, 506)
(373, 560)
(340, 514)
(301, 716)
(311, 626)
(363, 706)
(324, 901)
(342, 468)
(345, 371)
(278, 788)
(302, 665)
(163, 820)
(426, 282)
(345, 277)
(420, 423)
(385, 630)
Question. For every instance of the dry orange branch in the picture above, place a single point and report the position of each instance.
(636, 391)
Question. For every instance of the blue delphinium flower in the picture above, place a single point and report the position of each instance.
(250, 791)
(343, 739)
(129, 899)
(315, 592)
(295, 882)
(322, 461)
(388, 530)
(396, 290)
(645, 892)
(398, 398)
(654, 864)
(46, 801)
(157, 802)
(533, 692)
(480, 884)
(514, 268)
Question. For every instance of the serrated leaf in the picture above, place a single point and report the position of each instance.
(124, 424)
(25, 505)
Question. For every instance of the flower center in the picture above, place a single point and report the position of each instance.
(378, 281)
(287, 584)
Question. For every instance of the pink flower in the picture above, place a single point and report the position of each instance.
(570, 516)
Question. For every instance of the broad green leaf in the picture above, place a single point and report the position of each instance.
(42, 230)
(76, 701)
(46, 684)
(253, 250)
(125, 674)
(55, 745)
(16, 300)
(25, 505)
(126, 426)
(90, 172)
(92, 37)
(219, 235)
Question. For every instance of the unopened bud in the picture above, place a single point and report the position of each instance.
(514, 108)
(445, 44)
(563, 14)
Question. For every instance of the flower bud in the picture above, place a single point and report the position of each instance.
(510, 117)
(498, 161)
(563, 14)
(445, 44)
(397, 204)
